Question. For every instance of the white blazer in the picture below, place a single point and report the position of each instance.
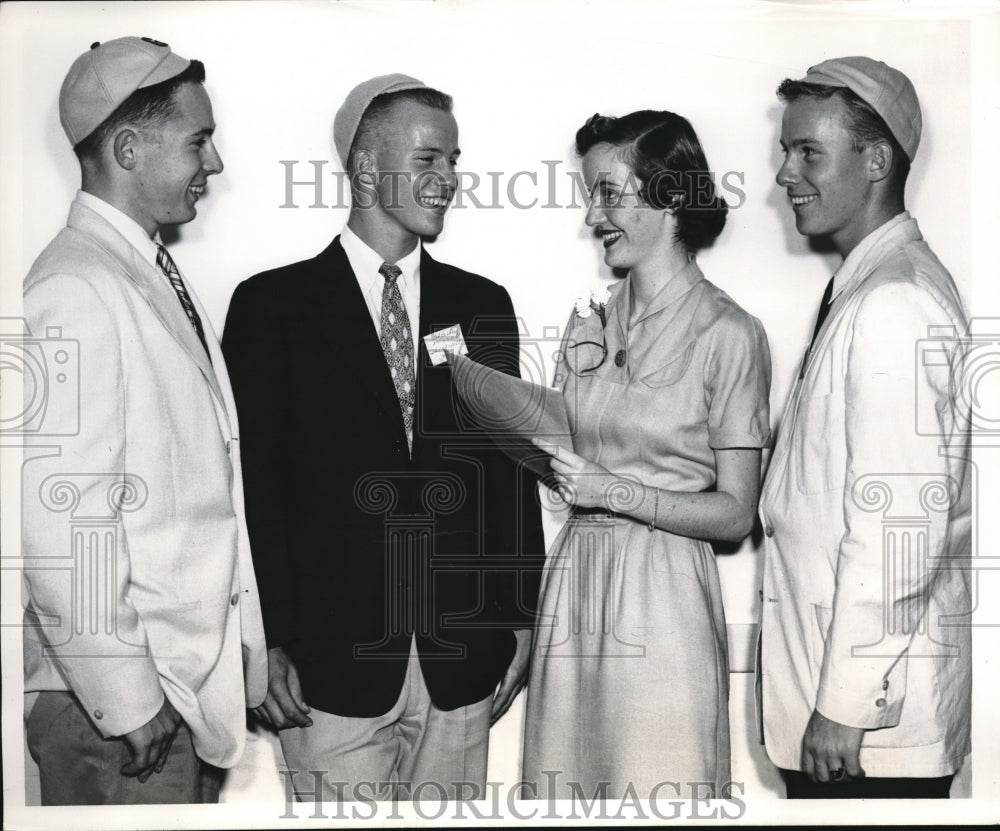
(137, 562)
(866, 515)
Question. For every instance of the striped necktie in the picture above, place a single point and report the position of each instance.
(396, 338)
(169, 267)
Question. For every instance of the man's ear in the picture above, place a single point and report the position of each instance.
(363, 162)
(880, 159)
(364, 173)
(125, 148)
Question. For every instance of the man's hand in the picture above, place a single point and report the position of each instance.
(516, 677)
(829, 746)
(284, 706)
(150, 744)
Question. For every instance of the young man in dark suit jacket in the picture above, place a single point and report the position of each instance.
(398, 550)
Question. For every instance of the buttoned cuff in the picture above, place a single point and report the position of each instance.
(870, 709)
(119, 699)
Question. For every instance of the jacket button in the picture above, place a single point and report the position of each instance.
(885, 685)
(769, 531)
(235, 598)
(397, 446)
(98, 715)
(880, 702)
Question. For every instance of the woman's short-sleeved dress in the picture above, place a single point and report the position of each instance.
(629, 677)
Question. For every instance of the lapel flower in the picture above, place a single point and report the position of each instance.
(595, 301)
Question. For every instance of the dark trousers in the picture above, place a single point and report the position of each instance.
(800, 786)
(78, 766)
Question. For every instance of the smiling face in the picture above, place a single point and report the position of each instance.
(173, 161)
(827, 181)
(413, 168)
(634, 235)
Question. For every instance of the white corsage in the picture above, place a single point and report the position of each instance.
(595, 301)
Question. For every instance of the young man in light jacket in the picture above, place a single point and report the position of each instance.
(143, 610)
(866, 664)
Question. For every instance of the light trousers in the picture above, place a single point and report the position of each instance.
(414, 751)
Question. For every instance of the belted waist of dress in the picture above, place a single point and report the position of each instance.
(594, 513)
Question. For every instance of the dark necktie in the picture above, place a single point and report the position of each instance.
(397, 344)
(169, 267)
(824, 310)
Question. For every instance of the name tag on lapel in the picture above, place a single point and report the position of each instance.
(443, 341)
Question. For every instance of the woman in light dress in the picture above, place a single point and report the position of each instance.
(666, 384)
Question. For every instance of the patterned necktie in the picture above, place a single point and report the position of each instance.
(169, 267)
(397, 344)
(824, 310)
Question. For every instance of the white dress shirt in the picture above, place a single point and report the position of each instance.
(366, 263)
(130, 229)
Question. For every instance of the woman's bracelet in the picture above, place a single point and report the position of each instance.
(656, 508)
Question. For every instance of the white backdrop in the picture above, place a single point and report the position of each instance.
(524, 77)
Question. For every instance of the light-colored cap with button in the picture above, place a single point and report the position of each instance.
(102, 78)
(886, 90)
(348, 117)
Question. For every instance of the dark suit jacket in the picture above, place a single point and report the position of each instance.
(357, 546)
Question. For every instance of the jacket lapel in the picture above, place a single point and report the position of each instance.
(804, 384)
(890, 241)
(348, 324)
(433, 305)
(153, 287)
(432, 302)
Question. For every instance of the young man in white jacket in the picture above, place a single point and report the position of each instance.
(866, 664)
(143, 609)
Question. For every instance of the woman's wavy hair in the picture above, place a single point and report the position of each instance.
(663, 151)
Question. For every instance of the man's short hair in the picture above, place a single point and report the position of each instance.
(865, 126)
(374, 117)
(145, 107)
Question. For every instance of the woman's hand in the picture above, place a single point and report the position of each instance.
(583, 483)
(725, 514)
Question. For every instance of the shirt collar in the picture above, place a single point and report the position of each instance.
(133, 232)
(675, 288)
(852, 264)
(366, 261)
